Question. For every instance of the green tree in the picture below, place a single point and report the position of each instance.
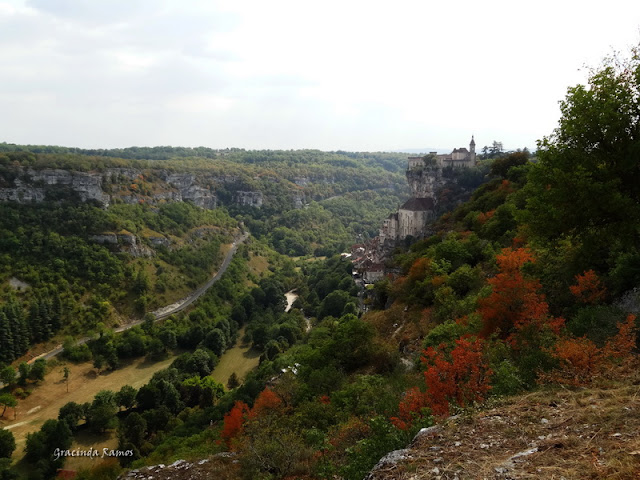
(38, 370)
(7, 443)
(585, 187)
(65, 376)
(23, 370)
(7, 400)
(126, 397)
(72, 413)
(8, 375)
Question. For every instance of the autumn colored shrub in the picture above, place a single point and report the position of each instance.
(580, 360)
(483, 217)
(233, 422)
(588, 288)
(460, 376)
(514, 302)
(267, 402)
(419, 269)
(412, 407)
(619, 348)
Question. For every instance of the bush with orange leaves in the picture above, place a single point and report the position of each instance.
(234, 421)
(460, 376)
(514, 302)
(588, 288)
(580, 360)
(411, 408)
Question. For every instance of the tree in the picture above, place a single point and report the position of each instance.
(72, 413)
(126, 397)
(8, 375)
(102, 413)
(7, 400)
(514, 302)
(23, 369)
(233, 422)
(233, 381)
(40, 445)
(38, 370)
(585, 186)
(461, 376)
(7, 443)
(65, 375)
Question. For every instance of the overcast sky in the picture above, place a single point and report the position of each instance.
(353, 75)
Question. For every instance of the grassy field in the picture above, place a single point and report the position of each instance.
(84, 382)
(240, 359)
(48, 397)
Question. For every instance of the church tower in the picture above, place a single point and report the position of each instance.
(472, 151)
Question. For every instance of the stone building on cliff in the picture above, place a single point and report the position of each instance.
(425, 177)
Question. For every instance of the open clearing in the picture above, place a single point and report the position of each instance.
(47, 398)
(240, 359)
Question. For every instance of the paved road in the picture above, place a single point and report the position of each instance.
(168, 310)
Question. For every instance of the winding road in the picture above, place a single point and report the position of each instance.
(164, 312)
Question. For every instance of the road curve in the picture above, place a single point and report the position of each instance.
(164, 312)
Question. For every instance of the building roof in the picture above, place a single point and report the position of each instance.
(418, 204)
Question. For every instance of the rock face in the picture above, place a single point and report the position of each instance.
(26, 185)
(424, 181)
(252, 199)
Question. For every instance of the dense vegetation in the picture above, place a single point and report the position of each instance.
(71, 284)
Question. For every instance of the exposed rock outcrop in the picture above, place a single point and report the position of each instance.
(252, 199)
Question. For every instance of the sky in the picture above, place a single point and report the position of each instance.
(289, 74)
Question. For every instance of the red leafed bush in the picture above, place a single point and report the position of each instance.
(233, 422)
(411, 408)
(461, 376)
(580, 360)
(588, 288)
(514, 302)
(266, 403)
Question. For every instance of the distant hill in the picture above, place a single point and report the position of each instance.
(422, 150)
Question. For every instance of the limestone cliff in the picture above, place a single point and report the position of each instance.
(123, 185)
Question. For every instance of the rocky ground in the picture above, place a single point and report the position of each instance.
(551, 434)
(222, 466)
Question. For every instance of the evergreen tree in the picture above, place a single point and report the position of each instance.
(7, 354)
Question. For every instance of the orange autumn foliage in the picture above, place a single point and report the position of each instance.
(483, 217)
(580, 360)
(411, 408)
(266, 403)
(514, 302)
(461, 376)
(588, 288)
(233, 422)
(419, 269)
(619, 348)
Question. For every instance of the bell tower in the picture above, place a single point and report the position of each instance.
(472, 151)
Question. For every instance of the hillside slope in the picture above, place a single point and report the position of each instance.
(552, 433)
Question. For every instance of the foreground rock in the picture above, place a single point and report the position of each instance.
(559, 434)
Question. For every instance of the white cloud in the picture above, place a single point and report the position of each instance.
(344, 74)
